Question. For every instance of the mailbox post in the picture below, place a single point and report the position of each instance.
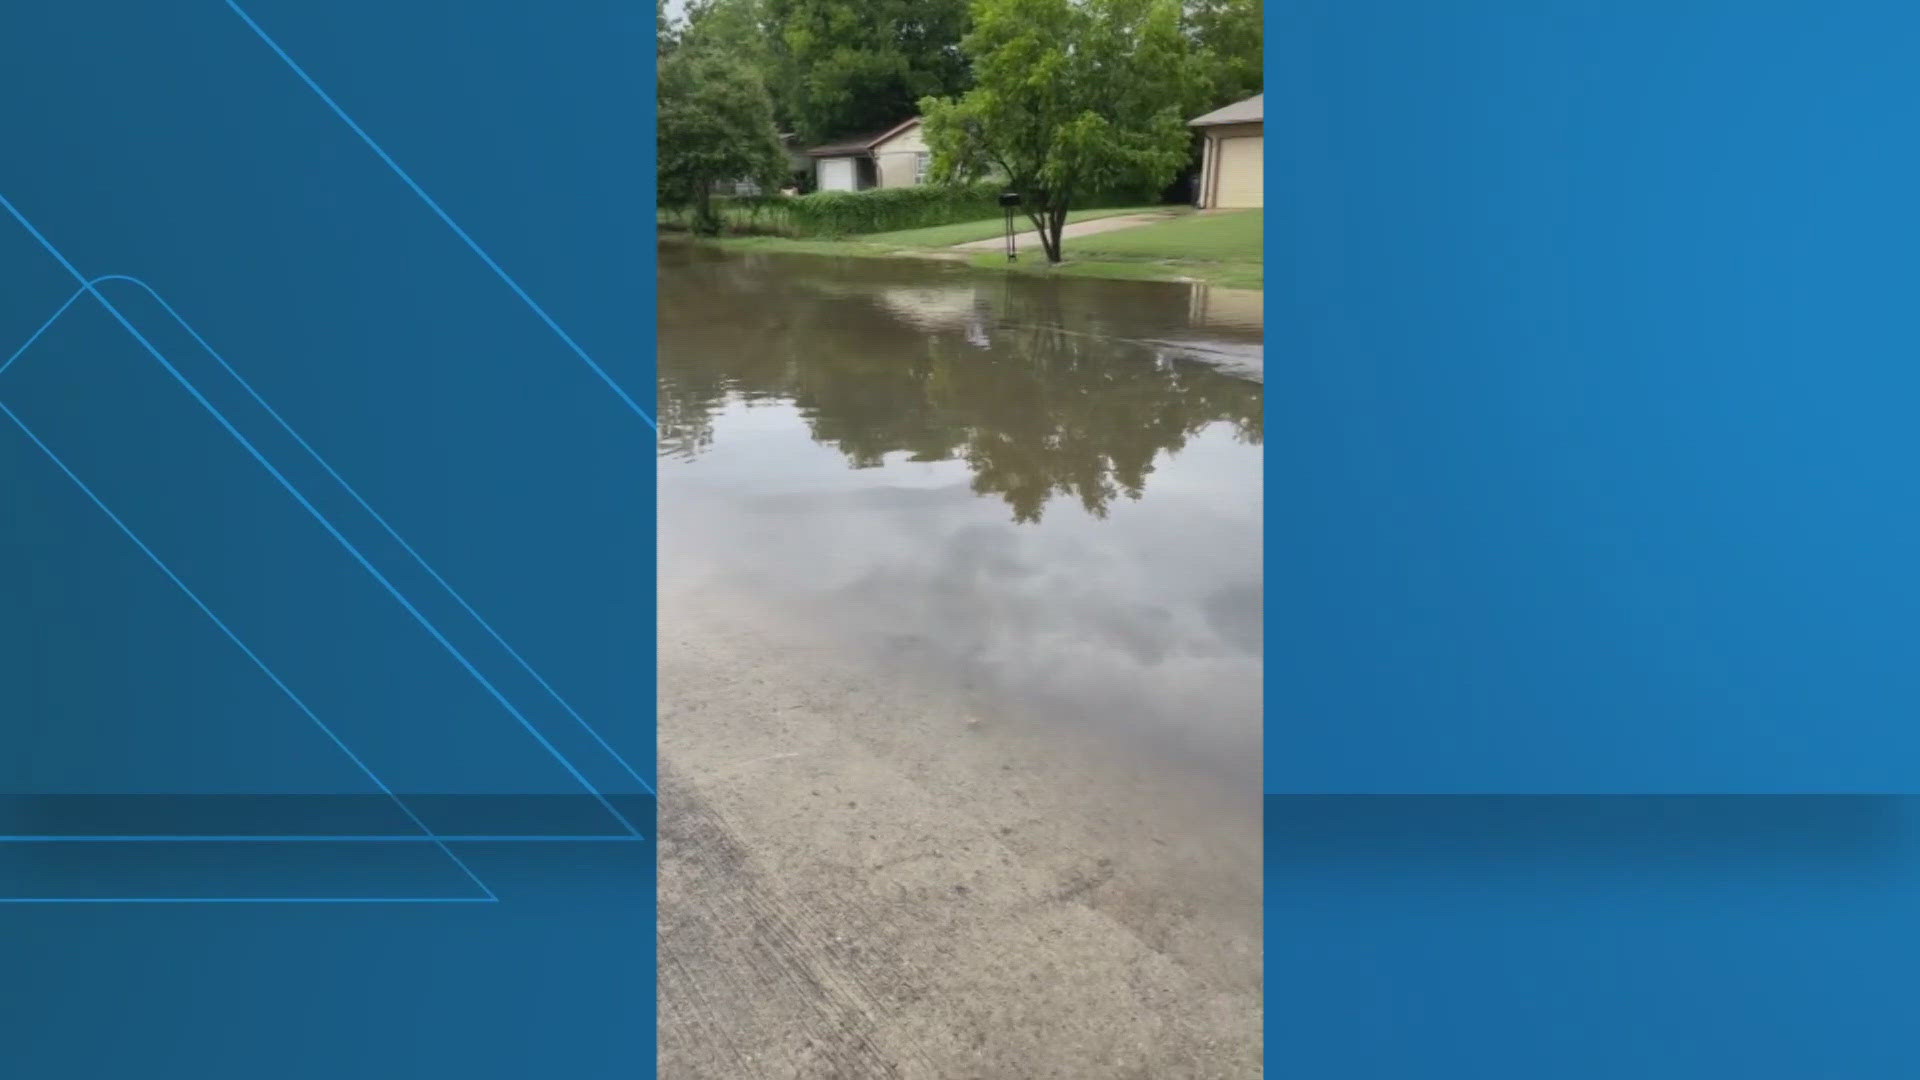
(1010, 201)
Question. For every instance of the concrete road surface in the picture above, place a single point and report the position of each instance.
(862, 880)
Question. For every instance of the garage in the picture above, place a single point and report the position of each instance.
(1233, 172)
(837, 174)
(1242, 178)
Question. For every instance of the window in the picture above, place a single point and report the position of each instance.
(922, 165)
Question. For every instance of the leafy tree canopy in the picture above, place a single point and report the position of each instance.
(849, 67)
(736, 27)
(715, 125)
(1070, 98)
(1227, 40)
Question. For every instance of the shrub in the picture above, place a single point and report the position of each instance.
(759, 214)
(850, 213)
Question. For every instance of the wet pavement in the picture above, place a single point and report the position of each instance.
(960, 602)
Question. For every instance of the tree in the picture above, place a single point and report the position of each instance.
(1070, 98)
(734, 27)
(848, 67)
(1227, 41)
(715, 124)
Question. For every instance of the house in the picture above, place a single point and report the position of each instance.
(895, 157)
(1233, 160)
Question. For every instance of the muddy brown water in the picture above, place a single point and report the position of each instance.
(960, 604)
(1045, 492)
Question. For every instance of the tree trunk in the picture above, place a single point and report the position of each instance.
(703, 211)
(1051, 233)
(1036, 213)
(1048, 213)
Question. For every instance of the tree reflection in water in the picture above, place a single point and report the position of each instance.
(1044, 387)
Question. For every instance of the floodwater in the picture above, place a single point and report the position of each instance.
(960, 680)
(1046, 492)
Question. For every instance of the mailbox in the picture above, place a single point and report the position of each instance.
(1009, 200)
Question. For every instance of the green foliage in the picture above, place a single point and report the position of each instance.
(848, 67)
(850, 213)
(845, 213)
(749, 215)
(1228, 44)
(1079, 102)
(1070, 98)
(731, 26)
(715, 124)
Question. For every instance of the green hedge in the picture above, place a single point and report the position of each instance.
(751, 215)
(851, 213)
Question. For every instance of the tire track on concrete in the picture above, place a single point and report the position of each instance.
(721, 922)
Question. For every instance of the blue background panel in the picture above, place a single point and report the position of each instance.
(1664, 938)
(1591, 552)
(171, 143)
(1593, 455)
(548, 982)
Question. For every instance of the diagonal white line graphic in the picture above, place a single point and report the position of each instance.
(414, 186)
(91, 286)
(243, 647)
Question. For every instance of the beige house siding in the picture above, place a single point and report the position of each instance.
(1232, 171)
(898, 159)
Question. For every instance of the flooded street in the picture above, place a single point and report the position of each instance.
(960, 604)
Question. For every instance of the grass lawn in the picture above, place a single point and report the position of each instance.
(969, 231)
(1222, 249)
(1227, 275)
(799, 247)
(1231, 236)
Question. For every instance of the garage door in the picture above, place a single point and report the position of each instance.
(836, 174)
(1242, 173)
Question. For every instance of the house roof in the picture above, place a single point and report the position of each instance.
(1250, 111)
(847, 147)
